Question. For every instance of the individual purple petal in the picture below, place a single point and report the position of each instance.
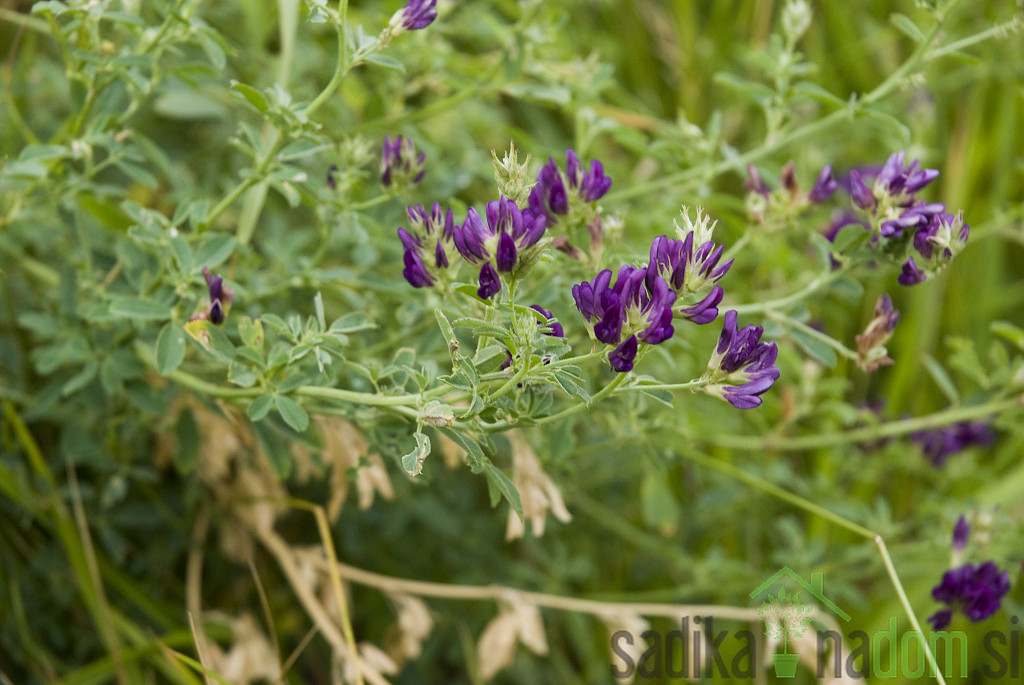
(489, 282)
(706, 310)
(506, 253)
(415, 271)
(941, 619)
(961, 533)
(754, 184)
(911, 274)
(862, 195)
(215, 313)
(824, 187)
(622, 357)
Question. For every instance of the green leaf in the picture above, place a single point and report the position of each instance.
(255, 97)
(474, 455)
(658, 504)
(571, 385)
(241, 375)
(170, 348)
(1008, 331)
(965, 360)
(274, 446)
(186, 433)
(413, 462)
(907, 27)
(292, 413)
(318, 305)
(186, 104)
(497, 478)
(941, 379)
(80, 379)
(815, 91)
(385, 61)
(259, 407)
(182, 253)
(215, 249)
(251, 332)
(353, 321)
(481, 327)
(663, 396)
(211, 338)
(816, 348)
(139, 308)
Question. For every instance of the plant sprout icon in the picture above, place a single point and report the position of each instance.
(784, 617)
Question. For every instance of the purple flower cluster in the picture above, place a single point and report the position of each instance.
(498, 243)
(427, 239)
(939, 444)
(742, 367)
(886, 199)
(550, 196)
(975, 589)
(399, 160)
(220, 297)
(893, 199)
(626, 313)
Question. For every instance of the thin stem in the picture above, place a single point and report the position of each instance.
(774, 490)
(818, 282)
(839, 347)
(689, 385)
(868, 433)
(341, 66)
(895, 578)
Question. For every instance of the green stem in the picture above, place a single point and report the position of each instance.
(859, 435)
(839, 347)
(818, 282)
(341, 66)
(894, 577)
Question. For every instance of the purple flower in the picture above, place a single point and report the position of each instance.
(400, 160)
(591, 185)
(556, 330)
(939, 444)
(508, 232)
(961, 533)
(911, 274)
(630, 309)
(220, 297)
(417, 14)
(428, 235)
(824, 187)
(945, 231)
(861, 194)
(332, 183)
(871, 352)
(742, 367)
(754, 183)
(550, 196)
(975, 589)
(490, 284)
(621, 358)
